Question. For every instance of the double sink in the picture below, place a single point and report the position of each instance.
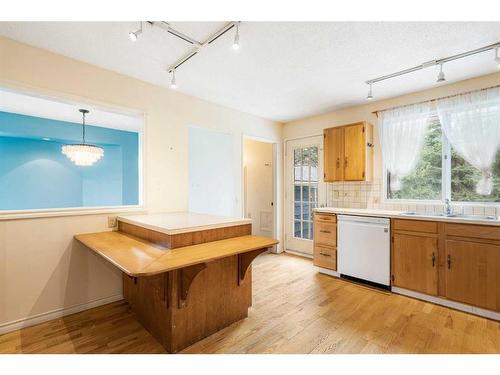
(452, 215)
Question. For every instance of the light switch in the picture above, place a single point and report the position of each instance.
(112, 221)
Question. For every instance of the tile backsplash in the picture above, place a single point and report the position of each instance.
(368, 195)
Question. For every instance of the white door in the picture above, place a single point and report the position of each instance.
(305, 190)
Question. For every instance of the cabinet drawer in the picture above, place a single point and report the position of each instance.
(473, 231)
(325, 217)
(325, 257)
(415, 225)
(325, 233)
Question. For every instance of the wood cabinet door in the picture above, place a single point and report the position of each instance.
(325, 256)
(354, 152)
(333, 154)
(473, 273)
(414, 263)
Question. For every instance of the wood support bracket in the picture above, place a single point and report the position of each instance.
(244, 261)
(186, 277)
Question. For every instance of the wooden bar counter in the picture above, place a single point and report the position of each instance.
(185, 275)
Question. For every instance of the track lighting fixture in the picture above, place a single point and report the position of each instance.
(236, 42)
(440, 62)
(370, 94)
(173, 83)
(133, 35)
(441, 77)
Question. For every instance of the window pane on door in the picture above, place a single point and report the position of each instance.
(305, 190)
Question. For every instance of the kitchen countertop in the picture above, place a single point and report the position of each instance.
(399, 215)
(182, 222)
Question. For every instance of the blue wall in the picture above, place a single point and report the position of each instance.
(34, 174)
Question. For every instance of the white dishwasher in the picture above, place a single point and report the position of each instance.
(363, 248)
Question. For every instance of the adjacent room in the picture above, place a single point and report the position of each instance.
(249, 187)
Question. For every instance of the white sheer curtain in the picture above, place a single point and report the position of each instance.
(471, 122)
(402, 132)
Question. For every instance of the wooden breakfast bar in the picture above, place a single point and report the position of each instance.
(185, 275)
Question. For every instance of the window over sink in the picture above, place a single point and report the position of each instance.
(442, 173)
(445, 149)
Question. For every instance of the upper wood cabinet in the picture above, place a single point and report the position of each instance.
(348, 152)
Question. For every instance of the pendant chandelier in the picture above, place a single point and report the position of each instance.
(83, 154)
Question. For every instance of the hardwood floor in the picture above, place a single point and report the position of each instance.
(295, 310)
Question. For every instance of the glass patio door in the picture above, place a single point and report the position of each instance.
(305, 191)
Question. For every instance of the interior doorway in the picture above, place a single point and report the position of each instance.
(259, 185)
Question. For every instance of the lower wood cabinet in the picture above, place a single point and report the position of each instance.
(459, 262)
(414, 263)
(473, 273)
(325, 257)
(325, 241)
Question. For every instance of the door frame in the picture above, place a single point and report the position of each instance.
(285, 188)
(276, 204)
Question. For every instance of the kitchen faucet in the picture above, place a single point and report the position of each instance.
(448, 209)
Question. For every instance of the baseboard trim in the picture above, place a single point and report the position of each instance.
(326, 271)
(298, 253)
(452, 304)
(55, 314)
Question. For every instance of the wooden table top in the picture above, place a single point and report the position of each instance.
(137, 257)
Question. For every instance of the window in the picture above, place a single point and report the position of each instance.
(35, 175)
(464, 178)
(425, 181)
(441, 173)
(305, 190)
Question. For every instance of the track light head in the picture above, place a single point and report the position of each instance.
(236, 42)
(441, 77)
(173, 82)
(370, 94)
(133, 35)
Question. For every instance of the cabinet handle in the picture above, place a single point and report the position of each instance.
(433, 259)
(325, 254)
(338, 163)
(449, 261)
(345, 162)
(325, 231)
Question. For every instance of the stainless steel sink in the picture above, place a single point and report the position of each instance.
(458, 216)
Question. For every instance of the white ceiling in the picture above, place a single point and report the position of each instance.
(283, 70)
(67, 111)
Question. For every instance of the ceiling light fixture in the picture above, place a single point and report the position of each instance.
(173, 82)
(441, 77)
(83, 154)
(370, 94)
(236, 42)
(428, 64)
(133, 35)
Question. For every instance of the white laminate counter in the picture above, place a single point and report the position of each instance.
(182, 222)
(399, 215)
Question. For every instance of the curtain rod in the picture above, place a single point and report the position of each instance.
(433, 100)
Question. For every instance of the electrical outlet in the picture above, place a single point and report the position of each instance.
(112, 221)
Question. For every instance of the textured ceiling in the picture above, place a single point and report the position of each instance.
(283, 70)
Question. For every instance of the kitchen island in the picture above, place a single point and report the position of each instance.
(185, 275)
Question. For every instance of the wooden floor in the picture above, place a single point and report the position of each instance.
(295, 310)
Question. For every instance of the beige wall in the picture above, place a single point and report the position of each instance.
(41, 269)
(258, 164)
(369, 194)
